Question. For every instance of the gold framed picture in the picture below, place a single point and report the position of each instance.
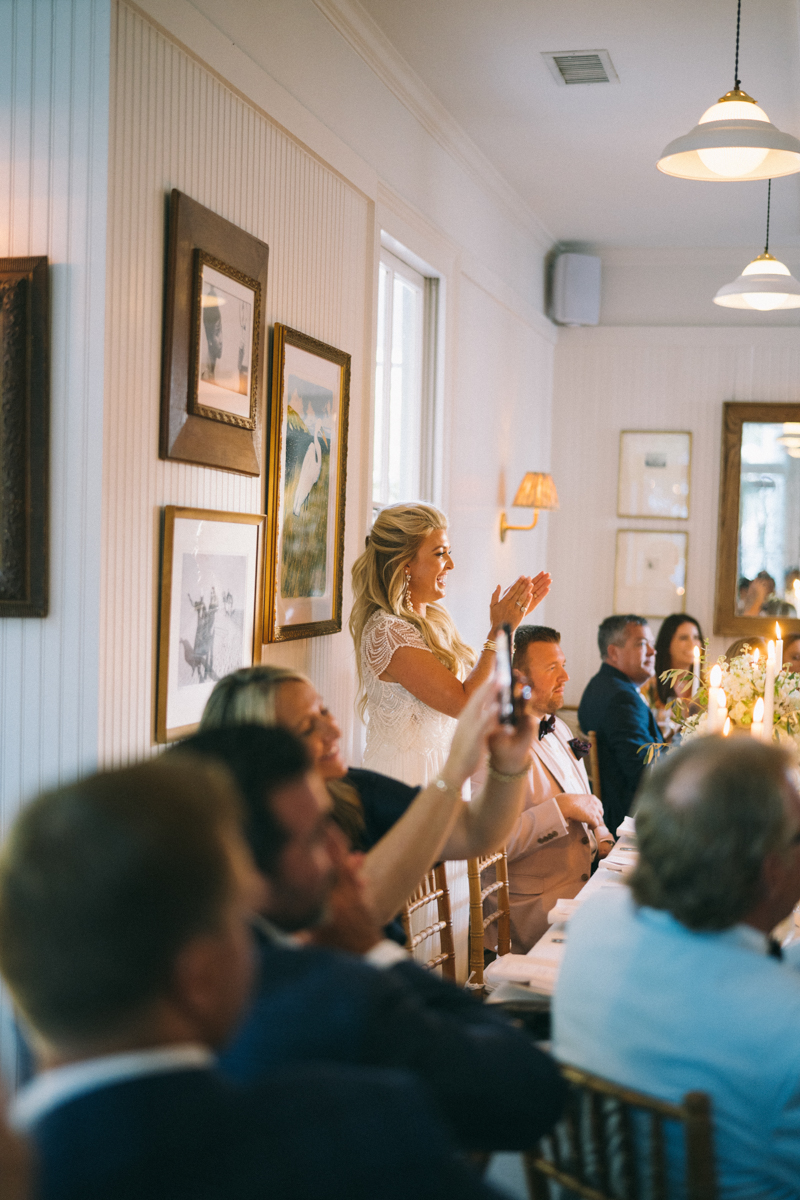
(306, 482)
(215, 345)
(210, 613)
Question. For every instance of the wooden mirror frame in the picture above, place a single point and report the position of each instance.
(726, 620)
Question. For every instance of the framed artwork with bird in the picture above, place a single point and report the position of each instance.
(305, 487)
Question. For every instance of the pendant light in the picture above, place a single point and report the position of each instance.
(733, 141)
(764, 284)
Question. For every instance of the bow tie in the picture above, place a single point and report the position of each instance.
(546, 725)
(579, 748)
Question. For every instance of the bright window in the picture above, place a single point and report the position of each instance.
(403, 466)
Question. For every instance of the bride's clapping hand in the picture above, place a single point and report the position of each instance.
(517, 601)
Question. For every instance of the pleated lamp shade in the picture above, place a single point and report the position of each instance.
(537, 490)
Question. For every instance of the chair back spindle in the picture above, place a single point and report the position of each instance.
(610, 1145)
(594, 764)
(479, 919)
(432, 890)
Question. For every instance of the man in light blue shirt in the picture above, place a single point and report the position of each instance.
(669, 985)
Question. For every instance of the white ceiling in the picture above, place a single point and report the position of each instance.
(583, 157)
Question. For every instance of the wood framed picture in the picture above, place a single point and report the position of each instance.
(214, 360)
(210, 615)
(650, 572)
(24, 436)
(306, 487)
(654, 474)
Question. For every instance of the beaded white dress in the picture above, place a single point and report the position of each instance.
(405, 738)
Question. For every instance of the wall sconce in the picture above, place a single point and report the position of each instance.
(536, 491)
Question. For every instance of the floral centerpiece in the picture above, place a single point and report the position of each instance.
(742, 681)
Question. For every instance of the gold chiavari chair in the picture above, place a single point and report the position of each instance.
(594, 764)
(432, 890)
(478, 923)
(610, 1145)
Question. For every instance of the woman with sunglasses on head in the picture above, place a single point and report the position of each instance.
(402, 830)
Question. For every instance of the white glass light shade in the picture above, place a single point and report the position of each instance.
(733, 161)
(734, 140)
(764, 284)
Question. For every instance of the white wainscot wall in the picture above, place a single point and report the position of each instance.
(53, 156)
(174, 124)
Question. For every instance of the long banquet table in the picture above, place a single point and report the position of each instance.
(509, 978)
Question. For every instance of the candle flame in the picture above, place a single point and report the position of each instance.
(758, 711)
(696, 653)
(796, 586)
(715, 678)
(778, 633)
(770, 650)
(726, 728)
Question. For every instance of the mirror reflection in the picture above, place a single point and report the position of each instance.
(768, 563)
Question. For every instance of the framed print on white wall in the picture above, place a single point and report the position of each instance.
(650, 572)
(210, 619)
(654, 474)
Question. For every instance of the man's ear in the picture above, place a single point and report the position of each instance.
(196, 978)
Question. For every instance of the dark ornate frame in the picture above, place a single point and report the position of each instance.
(24, 436)
(273, 631)
(190, 431)
(726, 620)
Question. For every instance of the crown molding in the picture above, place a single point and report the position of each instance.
(371, 44)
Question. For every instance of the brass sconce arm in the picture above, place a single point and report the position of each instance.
(504, 525)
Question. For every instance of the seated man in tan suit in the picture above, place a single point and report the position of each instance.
(560, 828)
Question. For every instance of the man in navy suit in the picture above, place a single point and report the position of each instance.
(125, 903)
(377, 1009)
(614, 708)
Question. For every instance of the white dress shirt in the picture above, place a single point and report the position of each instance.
(652, 1005)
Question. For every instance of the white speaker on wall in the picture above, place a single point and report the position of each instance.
(576, 290)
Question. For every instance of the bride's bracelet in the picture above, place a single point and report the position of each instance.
(502, 778)
(490, 646)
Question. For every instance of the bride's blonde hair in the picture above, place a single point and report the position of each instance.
(379, 583)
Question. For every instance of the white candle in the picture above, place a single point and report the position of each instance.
(778, 648)
(769, 692)
(757, 728)
(717, 702)
(695, 671)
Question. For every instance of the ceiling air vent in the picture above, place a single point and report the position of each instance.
(580, 66)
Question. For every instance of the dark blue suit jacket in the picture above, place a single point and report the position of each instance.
(312, 1133)
(612, 706)
(316, 1004)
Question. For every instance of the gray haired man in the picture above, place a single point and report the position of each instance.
(671, 984)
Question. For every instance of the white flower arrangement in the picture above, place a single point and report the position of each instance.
(743, 683)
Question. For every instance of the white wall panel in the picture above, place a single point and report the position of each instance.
(607, 380)
(173, 124)
(53, 154)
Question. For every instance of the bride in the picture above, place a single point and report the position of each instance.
(410, 656)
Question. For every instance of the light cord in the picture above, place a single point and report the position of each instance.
(736, 80)
(769, 197)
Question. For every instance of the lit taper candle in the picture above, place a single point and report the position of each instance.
(769, 692)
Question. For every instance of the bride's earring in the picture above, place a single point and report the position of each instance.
(407, 592)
